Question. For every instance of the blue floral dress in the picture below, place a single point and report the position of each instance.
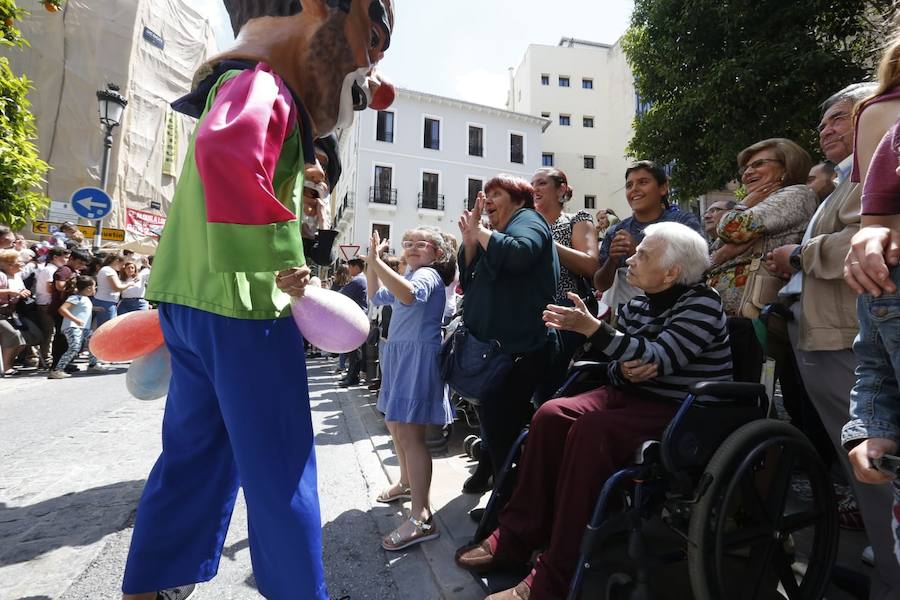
(412, 390)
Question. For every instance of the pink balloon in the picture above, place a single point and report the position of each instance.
(127, 336)
(330, 321)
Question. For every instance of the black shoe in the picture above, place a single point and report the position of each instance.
(480, 481)
(476, 514)
(348, 382)
(478, 485)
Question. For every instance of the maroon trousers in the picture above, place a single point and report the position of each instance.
(574, 446)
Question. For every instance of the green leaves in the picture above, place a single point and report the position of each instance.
(21, 169)
(723, 74)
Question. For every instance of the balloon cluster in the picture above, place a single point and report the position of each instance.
(328, 320)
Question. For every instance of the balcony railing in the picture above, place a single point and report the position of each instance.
(380, 195)
(343, 207)
(431, 201)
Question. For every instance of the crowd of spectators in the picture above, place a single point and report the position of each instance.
(42, 306)
(530, 275)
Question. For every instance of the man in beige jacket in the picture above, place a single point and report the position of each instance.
(824, 324)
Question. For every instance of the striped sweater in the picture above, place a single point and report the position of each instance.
(681, 329)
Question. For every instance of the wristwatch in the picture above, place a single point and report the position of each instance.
(794, 258)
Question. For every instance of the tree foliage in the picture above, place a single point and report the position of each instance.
(21, 169)
(722, 74)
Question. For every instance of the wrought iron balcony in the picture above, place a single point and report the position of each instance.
(431, 201)
(380, 195)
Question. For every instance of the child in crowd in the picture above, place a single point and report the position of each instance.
(76, 325)
(413, 394)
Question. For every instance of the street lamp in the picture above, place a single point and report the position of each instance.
(112, 105)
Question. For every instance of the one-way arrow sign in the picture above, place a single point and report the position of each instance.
(91, 203)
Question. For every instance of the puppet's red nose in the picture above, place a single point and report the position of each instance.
(384, 94)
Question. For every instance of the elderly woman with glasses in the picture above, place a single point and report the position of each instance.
(775, 211)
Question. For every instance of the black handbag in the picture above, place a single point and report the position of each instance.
(472, 368)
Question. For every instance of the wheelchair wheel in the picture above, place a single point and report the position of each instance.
(749, 537)
(467, 444)
(475, 450)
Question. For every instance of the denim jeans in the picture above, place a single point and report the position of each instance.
(77, 338)
(127, 305)
(875, 399)
(104, 311)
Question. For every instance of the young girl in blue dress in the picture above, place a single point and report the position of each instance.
(413, 394)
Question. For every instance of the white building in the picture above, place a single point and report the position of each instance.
(587, 91)
(422, 160)
(151, 49)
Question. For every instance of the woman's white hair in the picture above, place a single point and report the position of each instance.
(684, 247)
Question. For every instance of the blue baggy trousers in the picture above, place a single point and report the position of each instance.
(237, 414)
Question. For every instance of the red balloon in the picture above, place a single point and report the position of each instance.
(127, 336)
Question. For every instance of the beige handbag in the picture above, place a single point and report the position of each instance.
(761, 289)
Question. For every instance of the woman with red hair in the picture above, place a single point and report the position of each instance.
(509, 273)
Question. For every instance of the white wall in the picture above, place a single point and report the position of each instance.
(409, 159)
(611, 103)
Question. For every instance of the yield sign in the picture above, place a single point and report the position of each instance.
(91, 203)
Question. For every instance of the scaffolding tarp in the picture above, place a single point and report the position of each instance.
(151, 49)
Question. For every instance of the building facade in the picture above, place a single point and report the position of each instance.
(586, 90)
(151, 49)
(422, 161)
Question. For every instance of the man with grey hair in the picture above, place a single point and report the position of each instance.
(668, 339)
(824, 321)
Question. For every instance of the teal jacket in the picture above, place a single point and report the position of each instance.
(507, 287)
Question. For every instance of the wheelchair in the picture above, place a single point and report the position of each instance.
(714, 494)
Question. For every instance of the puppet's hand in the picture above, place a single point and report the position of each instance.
(293, 281)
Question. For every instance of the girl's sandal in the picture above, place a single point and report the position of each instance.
(400, 492)
(423, 531)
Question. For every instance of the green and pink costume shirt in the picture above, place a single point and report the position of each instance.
(234, 220)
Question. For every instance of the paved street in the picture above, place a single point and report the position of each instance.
(74, 454)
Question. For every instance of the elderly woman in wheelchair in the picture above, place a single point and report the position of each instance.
(671, 350)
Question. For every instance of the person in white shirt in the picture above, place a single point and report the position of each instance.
(56, 258)
(109, 288)
(133, 297)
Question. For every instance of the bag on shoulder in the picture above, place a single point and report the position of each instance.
(761, 289)
(473, 368)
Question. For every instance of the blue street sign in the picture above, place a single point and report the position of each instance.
(91, 203)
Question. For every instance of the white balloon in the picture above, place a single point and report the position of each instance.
(148, 376)
(330, 321)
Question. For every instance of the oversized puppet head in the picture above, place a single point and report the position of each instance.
(325, 50)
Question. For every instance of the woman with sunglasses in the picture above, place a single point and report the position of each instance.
(412, 394)
(775, 211)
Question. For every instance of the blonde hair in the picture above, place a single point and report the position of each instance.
(795, 159)
(9, 257)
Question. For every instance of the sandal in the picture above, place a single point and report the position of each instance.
(424, 531)
(386, 497)
(10, 372)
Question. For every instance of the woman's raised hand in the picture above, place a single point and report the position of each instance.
(471, 219)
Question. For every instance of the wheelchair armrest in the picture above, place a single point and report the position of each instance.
(582, 376)
(589, 366)
(728, 390)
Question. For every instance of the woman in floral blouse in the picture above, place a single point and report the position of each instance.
(776, 211)
(575, 240)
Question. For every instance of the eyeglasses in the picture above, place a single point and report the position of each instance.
(418, 245)
(756, 164)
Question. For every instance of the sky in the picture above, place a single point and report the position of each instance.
(464, 48)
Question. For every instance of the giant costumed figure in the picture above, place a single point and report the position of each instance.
(229, 262)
